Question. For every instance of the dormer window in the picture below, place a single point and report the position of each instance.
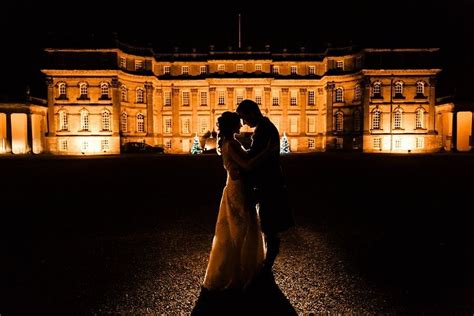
(276, 70)
(258, 67)
(203, 70)
(62, 91)
(398, 88)
(294, 70)
(221, 68)
(166, 70)
(377, 90)
(83, 90)
(311, 70)
(340, 65)
(239, 67)
(420, 89)
(185, 70)
(139, 65)
(123, 62)
(104, 91)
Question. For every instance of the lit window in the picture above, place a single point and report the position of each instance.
(167, 126)
(377, 90)
(140, 95)
(185, 98)
(258, 67)
(106, 121)
(397, 118)
(339, 121)
(139, 65)
(63, 145)
(339, 95)
(311, 124)
(311, 98)
(140, 123)
(293, 97)
(83, 90)
(123, 62)
(419, 118)
(168, 143)
(63, 121)
(104, 145)
(398, 88)
(185, 70)
(420, 88)
(294, 70)
(419, 143)
(276, 70)
(84, 120)
(203, 70)
(84, 145)
(239, 67)
(185, 125)
(203, 124)
(340, 65)
(312, 70)
(275, 97)
(258, 96)
(311, 143)
(376, 119)
(221, 67)
(167, 97)
(104, 90)
(124, 94)
(398, 143)
(377, 143)
(203, 98)
(221, 98)
(62, 89)
(166, 70)
(124, 122)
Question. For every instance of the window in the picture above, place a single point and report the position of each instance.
(221, 98)
(124, 122)
(203, 98)
(185, 98)
(419, 117)
(258, 67)
(221, 68)
(83, 90)
(339, 121)
(311, 143)
(203, 70)
(62, 90)
(397, 118)
(420, 88)
(294, 70)
(398, 89)
(104, 90)
(311, 124)
(84, 120)
(276, 70)
(167, 125)
(84, 145)
(377, 143)
(340, 65)
(339, 95)
(106, 120)
(398, 143)
(293, 124)
(123, 62)
(140, 95)
(185, 125)
(357, 92)
(168, 143)
(104, 145)
(376, 119)
(63, 145)
(377, 90)
(63, 121)
(203, 124)
(166, 70)
(275, 97)
(124, 94)
(419, 143)
(239, 96)
(293, 97)
(258, 96)
(239, 67)
(312, 70)
(357, 120)
(140, 123)
(185, 70)
(139, 65)
(167, 98)
(311, 98)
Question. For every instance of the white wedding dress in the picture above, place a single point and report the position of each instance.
(237, 248)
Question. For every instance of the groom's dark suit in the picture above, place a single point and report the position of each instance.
(269, 185)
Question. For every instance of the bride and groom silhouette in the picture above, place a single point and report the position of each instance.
(253, 210)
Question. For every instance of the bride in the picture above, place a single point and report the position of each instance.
(237, 248)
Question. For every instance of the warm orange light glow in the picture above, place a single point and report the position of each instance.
(463, 132)
(19, 133)
(3, 133)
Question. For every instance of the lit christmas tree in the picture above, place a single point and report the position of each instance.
(284, 145)
(196, 148)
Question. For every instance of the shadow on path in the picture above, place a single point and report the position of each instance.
(262, 297)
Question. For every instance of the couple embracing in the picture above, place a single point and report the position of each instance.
(254, 208)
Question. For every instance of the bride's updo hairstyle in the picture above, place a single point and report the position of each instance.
(226, 124)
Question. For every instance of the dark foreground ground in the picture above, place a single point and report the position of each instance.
(131, 235)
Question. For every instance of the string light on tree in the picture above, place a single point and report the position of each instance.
(196, 148)
(284, 145)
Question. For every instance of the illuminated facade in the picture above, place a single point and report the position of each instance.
(371, 100)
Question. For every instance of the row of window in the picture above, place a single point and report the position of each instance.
(204, 69)
(84, 120)
(398, 143)
(84, 145)
(376, 118)
(398, 88)
(84, 91)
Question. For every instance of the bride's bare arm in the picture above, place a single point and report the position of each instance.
(241, 157)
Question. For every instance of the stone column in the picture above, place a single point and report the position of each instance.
(365, 128)
(212, 104)
(194, 105)
(230, 99)
(115, 85)
(267, 98)
(302, 107)
(8, 145)
(249, 93)
(51, 112)
(431, 112)
(329, 101)
(29, 133)
(159, 114)
(150, 110)
(175, 109)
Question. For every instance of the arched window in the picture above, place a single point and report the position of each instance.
(84, 120)
(339, 95)
(104, 90)
(419, 118)
(105, 120)
(376, 115)
(357, 92)
(377, 89)
(398, 89)
(420, 88)
(124, 122)
(83, 90)
(62, 89)
(397, 118)
(140, 95)
(140, 123)
(357, 120)
(339, 121)
(124, 94)
(63, 121)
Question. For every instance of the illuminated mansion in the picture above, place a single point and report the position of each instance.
(371, 100)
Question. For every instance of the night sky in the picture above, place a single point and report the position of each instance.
(28, 26)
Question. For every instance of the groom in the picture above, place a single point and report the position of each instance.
(267, 181)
